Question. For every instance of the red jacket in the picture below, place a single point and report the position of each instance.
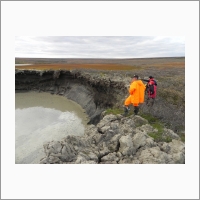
(151, 88)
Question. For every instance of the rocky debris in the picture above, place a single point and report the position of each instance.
(170, 133)
(126, 146)
(115, 140)
(155, 156)
(175, 148)
(147, 128)
(111, 158)
(139, 139)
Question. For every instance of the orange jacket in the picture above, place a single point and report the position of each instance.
(136, 91)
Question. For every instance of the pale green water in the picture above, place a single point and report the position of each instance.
(42, 117)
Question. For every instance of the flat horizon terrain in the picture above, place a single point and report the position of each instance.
(99, 64)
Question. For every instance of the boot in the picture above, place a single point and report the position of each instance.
(136, 110)
(126, 109)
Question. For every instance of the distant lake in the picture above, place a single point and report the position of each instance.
(22, 64)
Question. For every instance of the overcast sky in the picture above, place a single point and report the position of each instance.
(99, 46)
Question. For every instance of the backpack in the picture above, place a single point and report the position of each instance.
(150, 86)
(151, 89)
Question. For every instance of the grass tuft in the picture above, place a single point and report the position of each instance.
(114, 111)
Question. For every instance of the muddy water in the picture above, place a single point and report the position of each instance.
(42, 117)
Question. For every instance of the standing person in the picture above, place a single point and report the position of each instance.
(151, 88)
(136, 91)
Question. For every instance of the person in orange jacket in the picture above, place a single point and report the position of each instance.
(136, 91)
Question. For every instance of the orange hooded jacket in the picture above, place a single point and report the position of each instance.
(136, 91)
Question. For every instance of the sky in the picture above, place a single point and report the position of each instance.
(99, 46)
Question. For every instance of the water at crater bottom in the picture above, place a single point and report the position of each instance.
(40, 118)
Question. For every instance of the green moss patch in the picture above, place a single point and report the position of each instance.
(114, 111)
(156, 124)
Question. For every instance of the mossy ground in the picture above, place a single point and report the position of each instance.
(116, 111)
(154, 122)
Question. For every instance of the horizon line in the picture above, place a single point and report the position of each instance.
(102, 58)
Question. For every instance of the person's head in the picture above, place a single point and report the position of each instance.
(135, 77)
(150, 77)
